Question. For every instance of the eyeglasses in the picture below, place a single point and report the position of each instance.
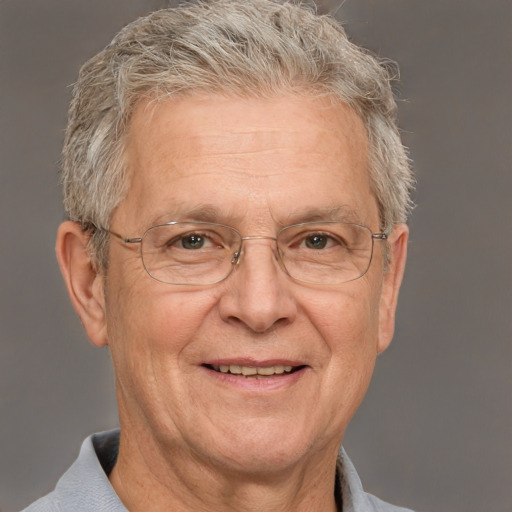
(204, 253)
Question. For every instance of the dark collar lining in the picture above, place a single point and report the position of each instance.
(338, 494)
(107, 448)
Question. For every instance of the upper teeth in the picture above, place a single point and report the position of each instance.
(248, 371)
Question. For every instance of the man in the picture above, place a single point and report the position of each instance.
(237, 192)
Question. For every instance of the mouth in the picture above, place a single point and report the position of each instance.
(254, 372)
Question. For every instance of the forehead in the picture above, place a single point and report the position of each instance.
(235, 156)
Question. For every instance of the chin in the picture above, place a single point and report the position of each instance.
(261, 450)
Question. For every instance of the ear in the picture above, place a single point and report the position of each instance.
(84, 283)
(397, 243)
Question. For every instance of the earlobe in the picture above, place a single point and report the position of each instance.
(84, 284)
(391, 285)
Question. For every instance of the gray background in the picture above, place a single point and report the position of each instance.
(435, 431)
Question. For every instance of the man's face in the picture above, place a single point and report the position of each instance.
(255, 165)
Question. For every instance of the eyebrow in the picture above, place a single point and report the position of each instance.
(201, 213)
(211, 213)
(338, 213)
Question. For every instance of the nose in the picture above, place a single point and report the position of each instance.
(258, 293)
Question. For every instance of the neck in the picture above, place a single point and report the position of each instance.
(149, 477)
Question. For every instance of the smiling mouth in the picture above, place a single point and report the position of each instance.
(252, 372)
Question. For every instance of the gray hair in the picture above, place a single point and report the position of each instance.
(238, 47)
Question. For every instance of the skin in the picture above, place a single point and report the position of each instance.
(193, 439)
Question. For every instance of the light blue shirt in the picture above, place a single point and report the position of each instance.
(85, 486)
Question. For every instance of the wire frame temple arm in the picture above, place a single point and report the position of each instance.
(137, 240)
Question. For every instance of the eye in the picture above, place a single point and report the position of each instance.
(193, 241)
(316, 241)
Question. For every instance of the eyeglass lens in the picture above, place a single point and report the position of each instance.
(204, 253)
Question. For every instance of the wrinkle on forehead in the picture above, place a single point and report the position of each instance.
(268, 133)
(232, 143)
(242, 157)
(206, 154)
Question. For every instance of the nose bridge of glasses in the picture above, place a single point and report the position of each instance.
(259, 237)
(237, 256)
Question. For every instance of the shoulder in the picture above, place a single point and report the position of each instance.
(85, 486)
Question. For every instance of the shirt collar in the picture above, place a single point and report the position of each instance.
(85, 486)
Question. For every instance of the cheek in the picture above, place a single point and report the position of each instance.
(347, 318)
(347, 322)
(153, 334)
(159, 318)
(155, 331)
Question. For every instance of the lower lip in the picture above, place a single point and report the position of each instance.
(282, 381)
